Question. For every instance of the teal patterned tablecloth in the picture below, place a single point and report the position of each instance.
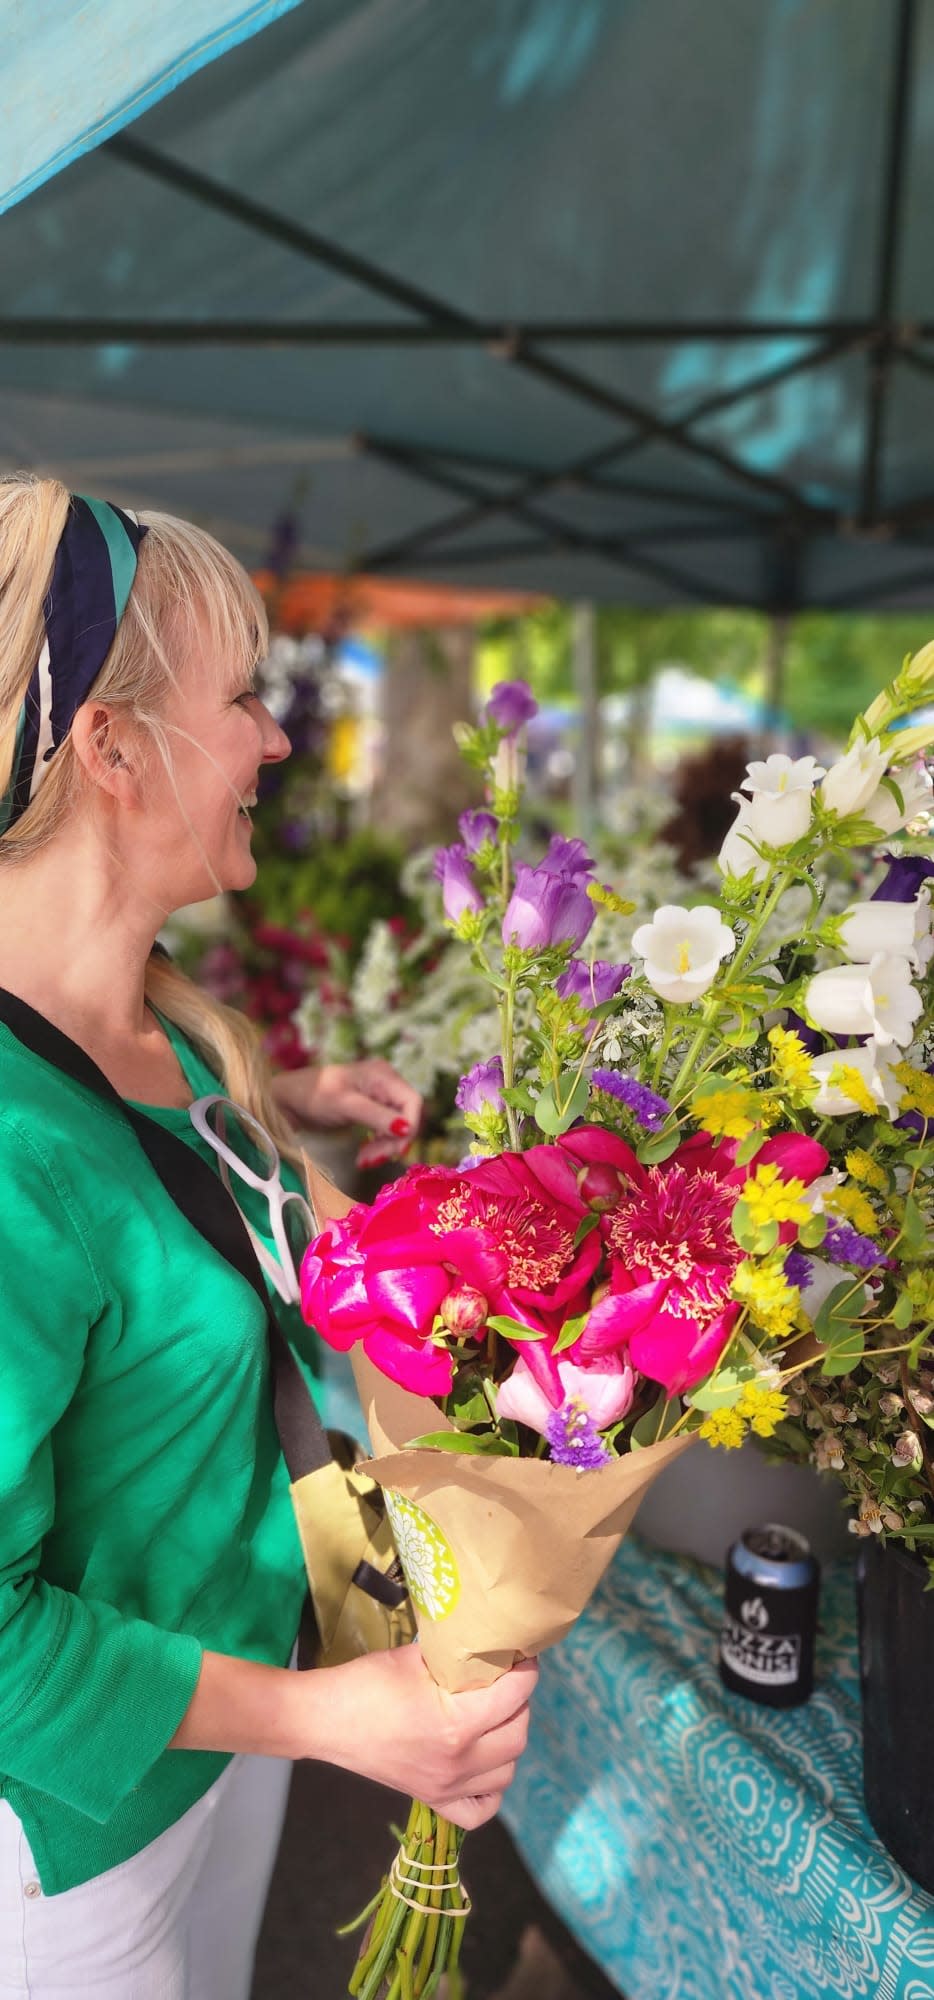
(699, 1846)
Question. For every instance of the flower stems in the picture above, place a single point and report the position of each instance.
(415, 1936)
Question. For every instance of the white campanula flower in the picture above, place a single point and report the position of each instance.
(822, 1279)
(781, 790)
(682, 949)
(854, 779)
(833, 1101)
(867, 928)
(737, 856)
(917, 790)
(877, 999)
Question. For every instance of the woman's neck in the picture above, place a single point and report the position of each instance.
(75, 940)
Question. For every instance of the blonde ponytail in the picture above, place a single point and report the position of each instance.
(229, 1044)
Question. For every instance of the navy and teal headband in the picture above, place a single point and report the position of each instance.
(95, 564)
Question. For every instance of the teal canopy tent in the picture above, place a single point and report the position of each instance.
(624, 299)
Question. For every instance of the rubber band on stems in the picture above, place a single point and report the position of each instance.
(399, 1882)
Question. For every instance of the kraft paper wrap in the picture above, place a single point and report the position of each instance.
(502, 1554)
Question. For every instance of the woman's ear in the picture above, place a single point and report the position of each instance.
(100, 738)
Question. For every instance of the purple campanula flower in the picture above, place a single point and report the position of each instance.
(481, 1086)
(567, 857)
(511, 704)
(810, 1039)
(458, 888)
(546, 909)
(475, 827)
(904, 879)
(574, 1439)
(797, 1269)
(592, 984)
(645, 1104)
(844, 1245)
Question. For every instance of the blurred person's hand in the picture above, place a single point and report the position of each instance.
(369, 1093)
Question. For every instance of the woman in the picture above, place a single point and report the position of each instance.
(151, 1579)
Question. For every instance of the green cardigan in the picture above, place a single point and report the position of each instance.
(144, 1501)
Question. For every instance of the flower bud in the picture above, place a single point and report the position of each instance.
(464, 1309)
(599, 1185)
(907, 1450)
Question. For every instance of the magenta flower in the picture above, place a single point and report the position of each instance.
(511, 704)
(458, 888)
(592, 984)
(547, 909)
(477, 826)
(481, 1086)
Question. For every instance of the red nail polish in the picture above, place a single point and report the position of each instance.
(399, 1127)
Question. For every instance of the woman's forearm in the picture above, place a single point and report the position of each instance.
(239, 1705)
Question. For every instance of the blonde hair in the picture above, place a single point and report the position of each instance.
(186, 585)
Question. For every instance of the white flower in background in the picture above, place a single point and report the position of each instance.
(781, 789)
(736, 856)
(877, 999)
(832, 1100)
(822, 1280)
(376, 979)
(917, 789)
(854, 779)
(682, 950)
(867, 928)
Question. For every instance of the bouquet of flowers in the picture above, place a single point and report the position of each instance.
(698, 1176)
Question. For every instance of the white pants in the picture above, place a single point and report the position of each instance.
(178, 1921)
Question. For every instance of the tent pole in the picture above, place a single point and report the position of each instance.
(585, 790)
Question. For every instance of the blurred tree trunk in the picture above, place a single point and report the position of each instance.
(427, 687)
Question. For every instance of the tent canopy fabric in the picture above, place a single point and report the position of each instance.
(319, 602)
(622, 299)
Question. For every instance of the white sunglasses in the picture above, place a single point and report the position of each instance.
(209, 1116)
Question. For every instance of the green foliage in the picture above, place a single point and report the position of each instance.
(347, 886)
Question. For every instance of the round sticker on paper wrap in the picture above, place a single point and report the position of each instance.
(427, 1559)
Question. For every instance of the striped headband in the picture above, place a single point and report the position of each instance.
(95, 564)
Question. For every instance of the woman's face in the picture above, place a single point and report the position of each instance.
(219, 735)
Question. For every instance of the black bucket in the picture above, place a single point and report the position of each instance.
(896, 1654)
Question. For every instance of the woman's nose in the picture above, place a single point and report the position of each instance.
(276, 745)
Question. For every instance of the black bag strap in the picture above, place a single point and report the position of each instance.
(201, 1196)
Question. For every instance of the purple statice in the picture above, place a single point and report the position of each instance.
(844, 1245)
(547, 909)
(797, 1269)
(567, 857)
(482, 1086)
(458, 888)
(592, 984)
(574, 1439)
(645, 1104)
(477, 826)
(904, 878)
(511, 704)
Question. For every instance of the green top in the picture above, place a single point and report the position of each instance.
(144, 1501)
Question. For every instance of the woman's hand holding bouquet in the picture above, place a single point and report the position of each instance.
(643, 1249)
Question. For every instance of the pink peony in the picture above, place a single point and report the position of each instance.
(604, 1389)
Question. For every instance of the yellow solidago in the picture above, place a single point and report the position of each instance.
(862, 1167)
(845, 1077)
(729, 1112)
(723, 1427)
(791, 1062)
(773, 1303)
(919, 1284)
(917, 1089)
(608, 899)
(853, 1205)
(764, 1405)
(769, 1198)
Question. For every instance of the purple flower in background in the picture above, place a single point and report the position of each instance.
(797, 1269)
(511, 704)
(574, 1439)
(809, 1038)
(477, 826)
(844, 1245)
(547, 909)
(645, 1104)
(592, 984)
(458, 888)
(481, 1086)
(904, 880)
(567, 857)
